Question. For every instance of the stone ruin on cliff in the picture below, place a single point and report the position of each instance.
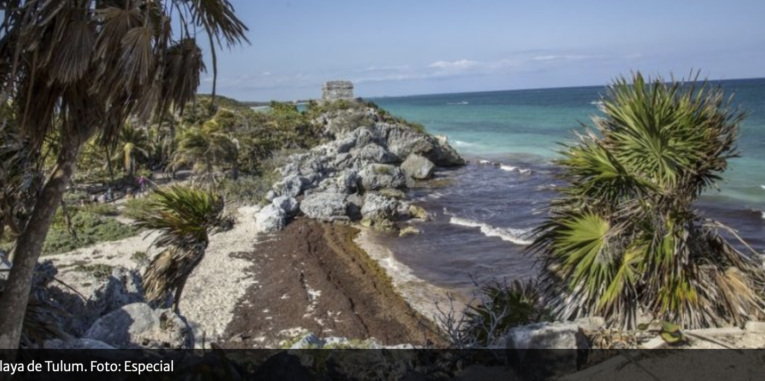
(335, 90)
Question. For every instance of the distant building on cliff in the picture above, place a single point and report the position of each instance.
(334, 90)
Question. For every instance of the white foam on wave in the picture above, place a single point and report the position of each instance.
(762, 186)
(435, 195)
(511, 168)
(460, 143)
(516, 236)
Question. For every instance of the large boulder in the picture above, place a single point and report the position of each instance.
(139, 326)
(374, 153)
(546, 349)
(403, 141)
(271, 218)
(326, 206)
(380, 176)
(418, 167)
(379, 206)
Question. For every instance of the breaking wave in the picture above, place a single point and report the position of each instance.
(516, 236)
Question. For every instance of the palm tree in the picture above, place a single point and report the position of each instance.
(204, 147)
(133, 142)
(184, 216)
(79, 68)
(624, 234)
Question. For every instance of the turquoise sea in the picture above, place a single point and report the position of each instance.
(483, 218)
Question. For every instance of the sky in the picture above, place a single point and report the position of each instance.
(407, 47)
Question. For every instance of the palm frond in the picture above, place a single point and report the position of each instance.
(624, 235)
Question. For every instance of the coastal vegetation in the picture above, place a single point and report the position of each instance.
(184, 217)
(80, 71)
(624, 238)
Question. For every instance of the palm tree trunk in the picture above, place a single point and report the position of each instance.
(109, 163)
(13, 302)
(214, 57)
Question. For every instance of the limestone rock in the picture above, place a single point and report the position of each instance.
(380, 176)
(393, 193)
(288, 204)
(591, 323)
(271, 219)
(138, 326)
(418, 212)
(327, 206)
(348, 181)
(373, 153)
(290, 186)
(309, 341)
(409, 230)
(418, 167)
(546, 336)
(530, 348)
(379, 206)
(345, 145)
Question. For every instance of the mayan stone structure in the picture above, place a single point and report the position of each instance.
(334, 90)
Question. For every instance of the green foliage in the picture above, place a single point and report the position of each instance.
(91, 226)
(624, 234)
(247, 190)
(137, 206)
(504, 306)
(183, 215)
(207, 145)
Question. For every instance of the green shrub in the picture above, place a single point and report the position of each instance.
(137, 206)
(247, 190)
(101, 209)
(503, 306)
(90, 229)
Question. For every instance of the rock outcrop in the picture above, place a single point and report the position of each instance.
(418, 167)
(360, 173)
(139, 326)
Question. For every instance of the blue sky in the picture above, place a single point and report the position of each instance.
(399, 47)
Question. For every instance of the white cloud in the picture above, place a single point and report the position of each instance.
(266, 73)
(455, 65)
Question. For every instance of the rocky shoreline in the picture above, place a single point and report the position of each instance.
(360, 174)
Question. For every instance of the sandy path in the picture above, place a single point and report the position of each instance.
(220, 280)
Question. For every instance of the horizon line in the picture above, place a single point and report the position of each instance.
(485, 91)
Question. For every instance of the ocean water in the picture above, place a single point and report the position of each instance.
(485, 213)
